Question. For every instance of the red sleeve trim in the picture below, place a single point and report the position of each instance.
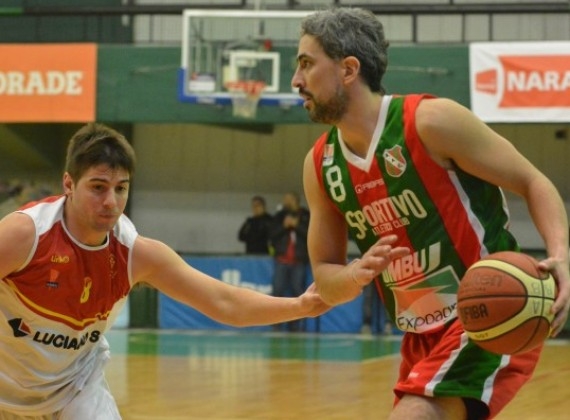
(318, 152)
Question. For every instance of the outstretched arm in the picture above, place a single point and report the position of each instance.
(156, 264)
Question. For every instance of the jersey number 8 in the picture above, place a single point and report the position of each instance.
(334, 180)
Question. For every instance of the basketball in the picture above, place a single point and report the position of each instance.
(504, 303)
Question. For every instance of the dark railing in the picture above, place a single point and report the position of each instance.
(386, 9)
(114, 24)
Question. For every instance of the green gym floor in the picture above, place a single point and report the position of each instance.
(287, 346)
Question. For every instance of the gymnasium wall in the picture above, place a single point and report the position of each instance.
(198, 166)
(194, 182)
(205, 165)
(139, 84)
(400, 28)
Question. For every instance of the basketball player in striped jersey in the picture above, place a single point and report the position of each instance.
(416, 181)
(67, 264)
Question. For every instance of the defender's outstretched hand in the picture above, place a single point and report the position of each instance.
(312, 302)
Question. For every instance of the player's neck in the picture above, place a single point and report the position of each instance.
(358, 124)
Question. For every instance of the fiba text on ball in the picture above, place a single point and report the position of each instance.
(473, 312)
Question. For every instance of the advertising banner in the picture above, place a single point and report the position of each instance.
(47, 82)
(254, 273)
(520, 81)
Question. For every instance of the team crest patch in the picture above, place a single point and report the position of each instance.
(328, 154)
(394, 161)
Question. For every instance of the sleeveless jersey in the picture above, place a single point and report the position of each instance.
(448, 218)
(54, 311)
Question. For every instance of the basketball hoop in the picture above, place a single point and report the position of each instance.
(245, 97)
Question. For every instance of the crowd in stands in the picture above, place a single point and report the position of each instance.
(16, 192)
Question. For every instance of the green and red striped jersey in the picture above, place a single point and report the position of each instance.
(448, 218)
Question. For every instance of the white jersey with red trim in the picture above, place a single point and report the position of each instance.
(55, 309)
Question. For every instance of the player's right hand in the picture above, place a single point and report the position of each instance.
(377, 259)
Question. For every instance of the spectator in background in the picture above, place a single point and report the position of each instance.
(254, 232)
(15, 193)
(288, 238)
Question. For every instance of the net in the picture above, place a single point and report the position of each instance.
(245, 97)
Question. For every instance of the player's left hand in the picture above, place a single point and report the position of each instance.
(312, 303)
(560, 271)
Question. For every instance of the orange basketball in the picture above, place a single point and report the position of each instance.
(504, 303)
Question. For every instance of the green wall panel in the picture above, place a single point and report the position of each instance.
(139, 84)
(438, 70)
(143, 307)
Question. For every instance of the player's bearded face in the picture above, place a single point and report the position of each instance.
(331, 110)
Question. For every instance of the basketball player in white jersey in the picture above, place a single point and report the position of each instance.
(67, 264)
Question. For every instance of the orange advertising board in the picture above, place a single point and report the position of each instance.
(48, 82)
(536, 81)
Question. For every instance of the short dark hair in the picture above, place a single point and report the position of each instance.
(344, 32)
(95, 144)
(259, 199)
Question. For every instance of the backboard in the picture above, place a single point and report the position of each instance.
(220, 47)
